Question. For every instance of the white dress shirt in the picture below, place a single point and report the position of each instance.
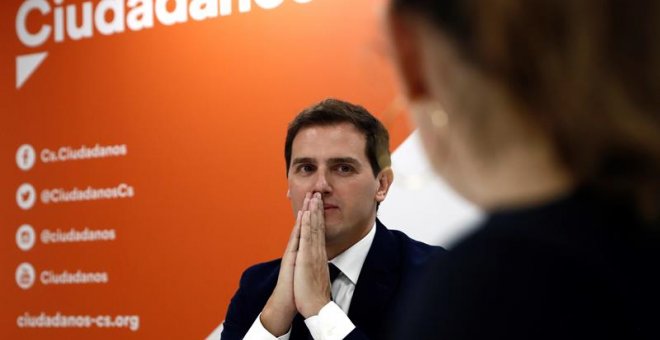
(332, 322)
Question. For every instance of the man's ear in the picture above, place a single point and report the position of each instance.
(385, 178)
(406, 45)
(288, 193)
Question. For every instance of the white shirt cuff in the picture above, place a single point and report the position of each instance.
(259, 332)
(331, 323)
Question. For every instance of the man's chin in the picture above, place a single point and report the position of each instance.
(331, 230)
(331, 222)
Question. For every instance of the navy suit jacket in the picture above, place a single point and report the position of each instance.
(391, 267)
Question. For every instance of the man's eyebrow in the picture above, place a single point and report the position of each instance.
(302, 160)
(349, 160)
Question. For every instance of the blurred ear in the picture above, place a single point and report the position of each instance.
(288, 193)
(385, 178)
(406, 46)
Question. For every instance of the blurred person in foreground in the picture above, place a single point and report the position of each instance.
(544, 113)
(343, 272)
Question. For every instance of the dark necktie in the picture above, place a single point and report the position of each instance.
(334, 272)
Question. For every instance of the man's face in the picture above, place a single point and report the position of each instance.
(331, 160)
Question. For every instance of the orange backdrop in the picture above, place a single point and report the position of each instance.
(202, 108)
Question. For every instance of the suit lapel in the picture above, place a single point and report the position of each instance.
(377, 282)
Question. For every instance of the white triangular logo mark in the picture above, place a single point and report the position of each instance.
(26, 65)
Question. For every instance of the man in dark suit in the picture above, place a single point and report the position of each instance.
(343, 273)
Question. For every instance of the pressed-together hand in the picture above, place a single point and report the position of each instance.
(303, 284)
(311, 280)
(280, 309)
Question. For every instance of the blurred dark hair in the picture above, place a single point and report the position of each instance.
(587, 72)
(333, 112)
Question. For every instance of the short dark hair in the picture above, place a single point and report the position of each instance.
(332, 112)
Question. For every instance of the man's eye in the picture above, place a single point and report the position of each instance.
(304, 168)
(345, 169)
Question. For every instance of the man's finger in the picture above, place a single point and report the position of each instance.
(289, 257)
(320, 222)
(314, 220)
(292, 246)
(307, 205)
(304, 231)
(308, 197)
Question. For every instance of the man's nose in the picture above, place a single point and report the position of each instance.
(322, 183)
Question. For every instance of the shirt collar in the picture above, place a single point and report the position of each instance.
(351, 260)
